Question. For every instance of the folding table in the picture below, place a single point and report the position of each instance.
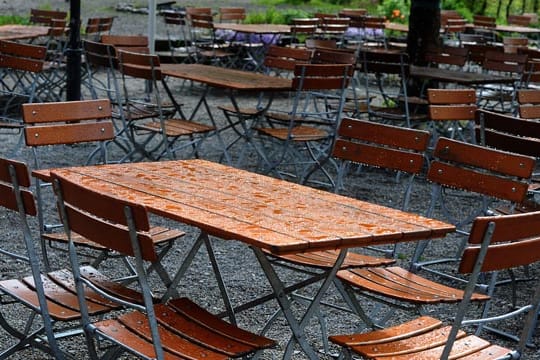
(269, 215)
(233, 82)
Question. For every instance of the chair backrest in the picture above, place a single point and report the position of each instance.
(508, 133)
(285, 58)
(321, 76)
(519, 20)
(22, 56)
(138, 65)
(100, 54)
(321, 43)
(529, 103)
(448, 55)
(14, 186)
(352, 12)
(513, 44)
(333, 56)
(484, 21)
(99, 25)
(504, 62)
(334, 27)
(478, 169)
(134, 43)
(67, 122)
(451, 104)
(232, 14)
(44, 17)
(498, 243)
(381, 145)
(303, 27)
(103, 220)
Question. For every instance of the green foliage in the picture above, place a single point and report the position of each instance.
(275, 16)
(13, 19)
(394, 10)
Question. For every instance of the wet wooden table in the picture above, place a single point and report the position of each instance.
(265, 213)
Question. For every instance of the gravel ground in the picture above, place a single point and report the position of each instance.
(243, 277)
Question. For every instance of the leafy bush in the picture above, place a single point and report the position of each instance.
(274, 16)
(394, 10)
(13, 19)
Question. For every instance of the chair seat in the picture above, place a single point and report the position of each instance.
(159, 234)
(298, 133)
(326, 259)
(400, 284)
(187, 331)
(421, 338)
(60, 293)
(176, 127)
(241, 111)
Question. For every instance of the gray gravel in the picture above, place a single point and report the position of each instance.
(243, 275)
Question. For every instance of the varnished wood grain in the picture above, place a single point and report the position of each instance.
(272, 214)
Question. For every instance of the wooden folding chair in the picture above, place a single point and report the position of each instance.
(502, 96)
(451, 113)
(389, 70)
(208, 48)
(309, 125)
(494, 244)
(132, 43)
(97, 26)
(21, 80)
(156, 129)
(483, 174)
(50, 295)
(513, 134)
(176, 329)
(77, 122)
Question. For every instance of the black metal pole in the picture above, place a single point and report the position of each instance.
(73, 52)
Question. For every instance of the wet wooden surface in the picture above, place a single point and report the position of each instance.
(226, 78)
(458, 77)
(15, 32)
(272, 214)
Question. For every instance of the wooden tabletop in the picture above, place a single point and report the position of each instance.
(226, 78)
(458, 77)
(16, 32)
(255, 28)
(269, 213)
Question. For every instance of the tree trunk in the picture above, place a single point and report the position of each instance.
(508, 5)
(424, 25)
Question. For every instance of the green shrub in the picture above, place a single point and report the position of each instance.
(13, 19)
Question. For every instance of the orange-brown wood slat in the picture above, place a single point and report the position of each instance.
(196, 313)
(379, 156)
(178, 345)
(116, 330)
(65, 279)
(405, 330)
(503, 256)
(464, 346)
(410, 346)
(392, 136)
(503, 162)
(441, 112)
(67, 111)
(478, 182)
(19, 290)
(325, 259)
(110, 286)
(61, 134)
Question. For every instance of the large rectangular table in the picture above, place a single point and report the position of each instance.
(234, 82)
(270, 215)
